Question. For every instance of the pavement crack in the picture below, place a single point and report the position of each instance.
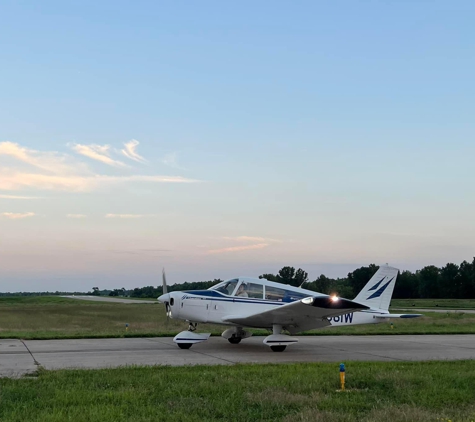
(31, 354)
(159, 340)
(214, 357)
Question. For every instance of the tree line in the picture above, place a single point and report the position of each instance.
(451, 281)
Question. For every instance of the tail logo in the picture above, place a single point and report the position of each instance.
(377, 284)
(380, 291)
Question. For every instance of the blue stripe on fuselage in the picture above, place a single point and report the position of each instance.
(216, 296)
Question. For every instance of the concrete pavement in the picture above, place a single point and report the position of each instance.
(18, 357)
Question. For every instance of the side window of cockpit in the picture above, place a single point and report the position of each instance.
(230, 287)
(255, 291)
(273, 293)
(226, 287)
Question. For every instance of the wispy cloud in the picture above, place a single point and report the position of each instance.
(251, 239)
(99, 153)
(17, 215)
(76, 215)
(55, 171)
(142, 252)
(11, 180)
(127, 215)
(50, 162)
(129, 151)
(17, 197)
(238, 248)
(171, 160)
(254, 242)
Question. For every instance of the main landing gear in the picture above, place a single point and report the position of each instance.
(278, 341)
(278, 348)
(235, 334)
(184, 345)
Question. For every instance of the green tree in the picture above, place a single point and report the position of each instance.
(449, 285)
(467, 279)
(286, 275)
(429, 282)
(300, 277)
(407, 286)
(322, 284)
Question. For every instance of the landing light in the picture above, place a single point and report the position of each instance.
(335, 298)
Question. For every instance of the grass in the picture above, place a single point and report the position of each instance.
(395, 391)
(433, 303)
(55, 318)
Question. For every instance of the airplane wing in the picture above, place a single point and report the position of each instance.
(301, 315)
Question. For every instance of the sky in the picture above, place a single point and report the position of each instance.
(221, 139)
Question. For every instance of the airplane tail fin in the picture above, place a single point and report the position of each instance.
(378, 291)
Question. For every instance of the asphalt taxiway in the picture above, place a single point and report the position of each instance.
(19, 357)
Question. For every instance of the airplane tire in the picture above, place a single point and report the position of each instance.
(278, 348)
(235, 340)
(184, 345)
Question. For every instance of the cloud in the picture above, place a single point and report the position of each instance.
(142, 252)
(49, 162)
(251, 239)
(126, 215)
(98, 153)
(129, 151)
(171, 161)
(238, 248)
(76, 215)
(55, 171)
(17, 215)
(11, 180)
(255, 243)
(17, 197)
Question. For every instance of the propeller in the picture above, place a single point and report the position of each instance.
(164, 282)
(165, 291)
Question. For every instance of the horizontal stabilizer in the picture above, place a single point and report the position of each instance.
(399, 316)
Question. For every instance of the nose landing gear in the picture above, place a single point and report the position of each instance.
(186, 339)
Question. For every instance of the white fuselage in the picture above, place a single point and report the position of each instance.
(210, 306)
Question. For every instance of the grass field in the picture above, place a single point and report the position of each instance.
(56, 317)
(395, 391)
(434, 303)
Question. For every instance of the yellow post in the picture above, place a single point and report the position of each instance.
(342, 376)
(126, 327)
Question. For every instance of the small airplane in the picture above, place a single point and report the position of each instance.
(246, 302)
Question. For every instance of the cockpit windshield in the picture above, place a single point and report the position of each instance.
(226, 287)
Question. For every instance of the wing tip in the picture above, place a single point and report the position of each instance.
(330, 302)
